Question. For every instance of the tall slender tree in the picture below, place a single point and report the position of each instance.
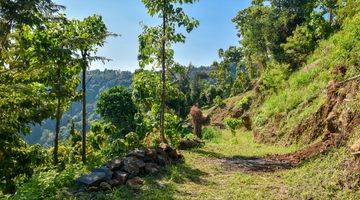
(150, 52)
(91, 33)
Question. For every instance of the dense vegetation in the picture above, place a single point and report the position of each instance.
(277, 84)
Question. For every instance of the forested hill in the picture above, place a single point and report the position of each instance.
(98, 81)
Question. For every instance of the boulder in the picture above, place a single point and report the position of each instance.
(135, 183)
(162, 158)
(355, 148)
(133, 165)
(174, 155)
(140, 154)
(151, 154)
(151, 168)
(114, 182)
(121, 176)
(92, 179)
(108, 173)
(115, 164)
(93, 189)
(105, 186)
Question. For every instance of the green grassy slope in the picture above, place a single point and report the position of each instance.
(204, 176)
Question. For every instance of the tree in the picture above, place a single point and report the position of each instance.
(329, 7)
(150, 51)
(264, 27)
(90, 33)
(116, 106)
(223, 73)
(16, 13)
(52, 44)
(24, 84)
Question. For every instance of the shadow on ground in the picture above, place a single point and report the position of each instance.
(245, 163)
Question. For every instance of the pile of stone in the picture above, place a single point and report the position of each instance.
(128, 170)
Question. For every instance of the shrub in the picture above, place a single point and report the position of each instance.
(210, 133)
(132, 140)
(245, 102)
(173, 129)
(233, 124)
(116, 106)
(218, 101)
(274, 76)
(118, 147)
(49, 184)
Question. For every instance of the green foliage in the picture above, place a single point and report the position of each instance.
(233, 124)
(223, 71)
(305, 39)
(150, 50)
(132, 140)
(50, 183)
(173, 129)
(245, 102)
(115, 105)
(218, 101)
(210, 134)
(118, 147)
(274, 77)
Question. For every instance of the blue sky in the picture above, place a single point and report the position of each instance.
(124, 16)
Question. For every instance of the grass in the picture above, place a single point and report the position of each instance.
(202, 176)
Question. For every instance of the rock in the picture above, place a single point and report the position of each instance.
(168, 150)
(174, 155)
(162, 160)
(121, 176)
(356, 147)
(151, 168)
(151, 153)
(105, 186)
(162, 157)
(93, 189)
(92, 179)
(133, 165)
(140, 154)
(114, 182)
(115, 164)
(106, 170)
(135, 183)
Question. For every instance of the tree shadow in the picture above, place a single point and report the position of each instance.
(254, 164)
(207, 153)
(246, 163)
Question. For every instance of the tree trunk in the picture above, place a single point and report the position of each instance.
(57, 117)
(83, 155)
(331, 16)
(57, 132)
(163, 77)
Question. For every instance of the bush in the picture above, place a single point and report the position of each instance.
(173, 129)
(245, 102)
(274, 76)
(305, 39)
(218, 101)
(210, 133)
(118, 147)
(233, 124)
(132, 140)
(50, 184)
(116, 106)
